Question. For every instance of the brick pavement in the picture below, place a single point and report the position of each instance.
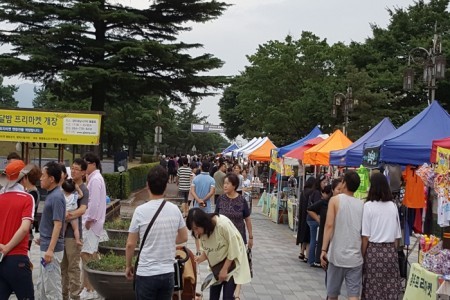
(278, 273)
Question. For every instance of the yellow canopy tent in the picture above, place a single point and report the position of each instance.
(320, 153)
(262, 153)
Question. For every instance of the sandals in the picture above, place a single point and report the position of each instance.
(301, 256)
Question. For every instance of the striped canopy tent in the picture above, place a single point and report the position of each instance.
(262, 153)
(320, 153)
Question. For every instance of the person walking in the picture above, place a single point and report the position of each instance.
(70, 266)
(16, 216)
(94, 218)
(315, 197)
(303, 228)
(219, 177)
(380, 233)
(203, 188)
(155, 271)
(233, 205)
(184, 184)
(223, 247)
(51, 239)
(341, 248)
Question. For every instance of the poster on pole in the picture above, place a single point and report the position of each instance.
(50, 127)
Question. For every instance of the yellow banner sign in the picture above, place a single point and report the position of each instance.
(443, 160)
(49, 127)
(274, 161)
(421, 285)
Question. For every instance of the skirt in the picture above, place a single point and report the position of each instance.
(381, 274)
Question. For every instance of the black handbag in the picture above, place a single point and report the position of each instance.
(143, 241)
(402, 263)
(217, 267)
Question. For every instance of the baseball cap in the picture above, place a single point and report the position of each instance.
(15, 171)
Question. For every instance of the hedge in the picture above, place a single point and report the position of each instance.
(132, 180)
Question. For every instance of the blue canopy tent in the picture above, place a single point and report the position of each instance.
(230, 148)
(352, 156)
(314, 133)
(411, 143)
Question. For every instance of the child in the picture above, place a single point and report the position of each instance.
(72, 193)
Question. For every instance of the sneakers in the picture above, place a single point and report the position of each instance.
(87, 295)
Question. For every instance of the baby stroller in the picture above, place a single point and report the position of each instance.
(185, 275)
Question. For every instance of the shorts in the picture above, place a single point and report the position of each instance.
(90, 241)
(335, 277)
(185, 195)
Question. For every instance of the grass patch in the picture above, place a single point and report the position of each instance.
(118, 243)
(109, 263)
(118, 223)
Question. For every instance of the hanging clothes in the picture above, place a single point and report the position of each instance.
(414, 192)
(363, 173)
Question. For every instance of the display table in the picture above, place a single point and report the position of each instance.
(422, 284)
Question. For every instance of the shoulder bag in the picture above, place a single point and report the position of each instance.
(143, 241)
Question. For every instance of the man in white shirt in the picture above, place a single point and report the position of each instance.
(155, 272)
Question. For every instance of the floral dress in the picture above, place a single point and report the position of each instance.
(234, 209)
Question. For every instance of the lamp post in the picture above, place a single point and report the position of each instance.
(433, 67)
(158, 129)
(347, 103)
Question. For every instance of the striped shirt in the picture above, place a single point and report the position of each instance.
(184, 178)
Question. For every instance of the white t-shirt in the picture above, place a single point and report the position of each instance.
(380, 222)
(158, 254)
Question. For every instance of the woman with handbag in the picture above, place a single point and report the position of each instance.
(223, 248)
(380, 234)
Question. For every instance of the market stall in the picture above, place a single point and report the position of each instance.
(352, 156)
(314, 133)
(320, 153)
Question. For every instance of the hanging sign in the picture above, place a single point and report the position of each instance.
(274, 163)
(422, 284)
(371, 157)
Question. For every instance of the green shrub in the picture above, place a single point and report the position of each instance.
(133, 180)
(109, 263)
(148, 158)
(118, 223)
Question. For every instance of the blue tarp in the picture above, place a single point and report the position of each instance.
(230, 148)
(352, 156)
(411, 143)
(314, 133)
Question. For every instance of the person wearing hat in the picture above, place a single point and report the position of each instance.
(51, 240)
(16, 216)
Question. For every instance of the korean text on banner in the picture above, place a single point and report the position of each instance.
(49, 127)
(421, 285)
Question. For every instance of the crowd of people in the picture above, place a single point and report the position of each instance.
(70, 227)
(352, 240)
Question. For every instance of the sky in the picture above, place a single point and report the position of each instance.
(249, 23)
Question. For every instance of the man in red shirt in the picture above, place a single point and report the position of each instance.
(16, 216)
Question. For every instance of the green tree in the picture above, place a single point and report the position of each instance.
(99, 47)
(7, 95)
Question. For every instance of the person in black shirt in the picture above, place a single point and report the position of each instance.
(318, 211)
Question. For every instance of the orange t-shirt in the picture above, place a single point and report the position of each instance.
(415, 189)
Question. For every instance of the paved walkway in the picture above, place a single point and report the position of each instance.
(278, 273)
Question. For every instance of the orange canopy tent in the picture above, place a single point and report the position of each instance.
(262, 153)
(320, 153)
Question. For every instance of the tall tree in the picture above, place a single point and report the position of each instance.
(7, 95)
(99, 46)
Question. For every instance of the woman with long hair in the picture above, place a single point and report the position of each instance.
(303, 228)
(315, 196)
(380, 234)
(223, 246)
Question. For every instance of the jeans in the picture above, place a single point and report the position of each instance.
(157, 287)
(16, 276)
(228, 290)
(313, 226)
(206, 209)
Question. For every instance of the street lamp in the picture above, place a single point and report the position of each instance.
(158, 129)
(433, 67)
(347, 103)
